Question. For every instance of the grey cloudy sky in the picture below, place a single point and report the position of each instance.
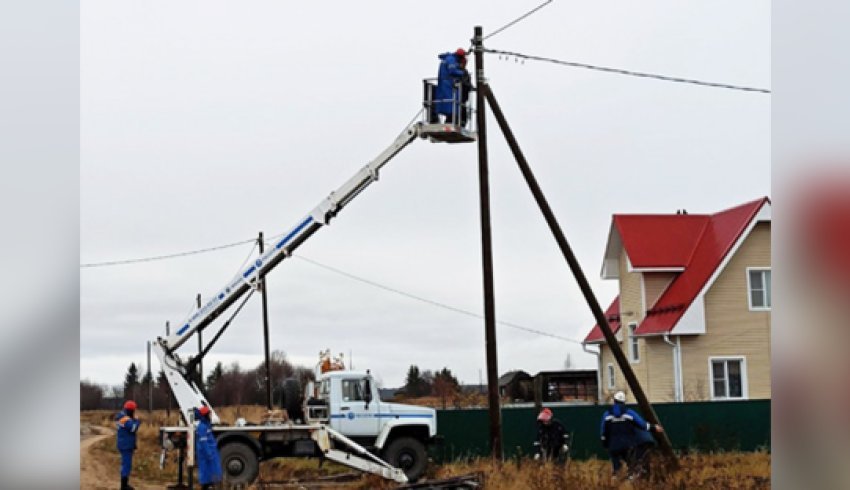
(205, 122)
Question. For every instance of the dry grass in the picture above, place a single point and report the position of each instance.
(704, 471)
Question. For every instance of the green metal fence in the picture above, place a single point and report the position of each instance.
(700, 426)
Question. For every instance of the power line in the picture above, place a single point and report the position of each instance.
(164, 257)
(332, 269)
(523, 16)
(432, 302)
(621, 71)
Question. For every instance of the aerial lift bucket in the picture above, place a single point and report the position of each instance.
(455, 128)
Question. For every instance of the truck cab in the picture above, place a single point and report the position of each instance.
(349, 402)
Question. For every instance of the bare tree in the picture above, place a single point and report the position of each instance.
(91, 395)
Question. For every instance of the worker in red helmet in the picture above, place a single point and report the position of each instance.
(453, 86)
(551, 443)
(206, 450)
(126, 425)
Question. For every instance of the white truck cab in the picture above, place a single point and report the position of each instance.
(349, 402)
(356, 409)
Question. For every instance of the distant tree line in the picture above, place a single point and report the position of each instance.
(231, 385)
(442, 384)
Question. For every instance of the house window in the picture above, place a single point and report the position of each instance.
(611, 383)
(759, 288)
(634, 353)
(728, 378)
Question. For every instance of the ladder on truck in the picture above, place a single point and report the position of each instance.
(179, 373)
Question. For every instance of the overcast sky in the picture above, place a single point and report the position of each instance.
(206, 122)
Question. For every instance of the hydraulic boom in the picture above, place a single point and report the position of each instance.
(185, 391)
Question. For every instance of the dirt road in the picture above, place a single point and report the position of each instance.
(96, 474)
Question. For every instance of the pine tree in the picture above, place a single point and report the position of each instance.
(131, 382)
(413, 382)
(214, 376)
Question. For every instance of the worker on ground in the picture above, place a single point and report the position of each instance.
(450, 79)
(627, 436)
(551, 443)
(126, 425)
(206, 450)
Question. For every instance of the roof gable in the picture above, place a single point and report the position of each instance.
(660, 241)
(721, 233)
(697, 245)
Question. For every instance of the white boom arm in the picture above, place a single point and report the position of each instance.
(363, 460)
(187, 394)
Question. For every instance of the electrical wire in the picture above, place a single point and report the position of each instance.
(332, 269)
(164, 257)
(203, 250)
(620, 71)
(432, 302)
(523, 16)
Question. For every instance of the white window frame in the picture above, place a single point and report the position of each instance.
(611, 382)
(750, 289)
(745, 389)
(634, 345)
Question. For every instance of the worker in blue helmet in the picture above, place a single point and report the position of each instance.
(453, 86)
(206, 450)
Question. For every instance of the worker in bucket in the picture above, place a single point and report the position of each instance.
(126, 425)
(627, 436)
(551, 443)
(206, 450)
(452, 77)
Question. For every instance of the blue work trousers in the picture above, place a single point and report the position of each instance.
(126, 463)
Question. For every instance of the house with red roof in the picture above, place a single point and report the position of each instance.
(693, 312)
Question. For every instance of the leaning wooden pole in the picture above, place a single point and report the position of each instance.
(592, 302)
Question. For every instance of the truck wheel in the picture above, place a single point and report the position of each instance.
(239, 463)
(292, 399)
(407, 454)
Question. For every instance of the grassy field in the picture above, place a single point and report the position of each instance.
(707, 471)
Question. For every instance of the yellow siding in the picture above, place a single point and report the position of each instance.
(731, 328)
(659, 362)
(655, 283)
(632, 311)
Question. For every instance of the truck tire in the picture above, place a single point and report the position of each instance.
(239, 463)
(407, 454)
(291, 401)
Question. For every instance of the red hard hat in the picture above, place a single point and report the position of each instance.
(545, 415)
(204, 410)
(129, 405)
(461, 52)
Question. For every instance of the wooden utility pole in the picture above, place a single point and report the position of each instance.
(200, 351)
(150, 381)
(168, 392)
(262, 283)
(487, 256)
(484, 90)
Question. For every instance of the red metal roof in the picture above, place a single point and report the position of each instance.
(613, 315)
(699, 243)
(654, 240)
